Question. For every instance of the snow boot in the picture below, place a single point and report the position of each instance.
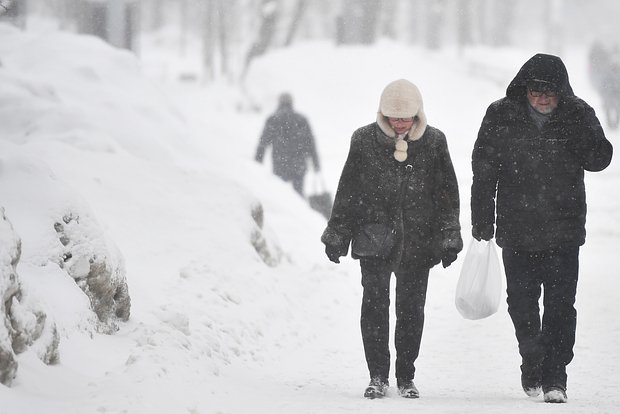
(555, 394)
(376, 388)
(407, 389)
(531, 388)
(531, 381)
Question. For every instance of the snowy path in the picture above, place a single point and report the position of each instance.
(464, 366)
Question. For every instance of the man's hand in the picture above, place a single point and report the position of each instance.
(483, 232)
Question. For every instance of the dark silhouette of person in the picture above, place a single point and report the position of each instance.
(292, 143)
(528, 191)
(397, 206)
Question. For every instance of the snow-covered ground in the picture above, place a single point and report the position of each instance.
(167, 170)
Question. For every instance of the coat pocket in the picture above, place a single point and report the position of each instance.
(373, 240)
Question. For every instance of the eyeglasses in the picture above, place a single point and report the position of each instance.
(401, 119)
(538, 94)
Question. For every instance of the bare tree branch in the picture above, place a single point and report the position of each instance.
(4, 5)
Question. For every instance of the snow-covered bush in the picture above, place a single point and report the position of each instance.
(269, 252)
(9, 287)
(60, 234)
(97, 267)
(24, 323)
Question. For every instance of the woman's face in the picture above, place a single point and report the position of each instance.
(401, 125)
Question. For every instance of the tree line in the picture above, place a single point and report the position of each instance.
(235, 32)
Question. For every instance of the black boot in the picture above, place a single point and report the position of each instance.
(376, 388)
(531, 380)
(555, 394)
(407, 389)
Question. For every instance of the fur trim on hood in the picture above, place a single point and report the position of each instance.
(401, 99)
(541, 68)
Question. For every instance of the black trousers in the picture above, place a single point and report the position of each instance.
(546, 349)
(298, 184)
(411, 285)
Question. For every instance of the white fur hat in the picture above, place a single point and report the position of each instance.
(402, 99)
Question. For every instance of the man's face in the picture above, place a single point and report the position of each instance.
(543, 101)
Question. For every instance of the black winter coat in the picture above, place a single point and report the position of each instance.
(292, 142)
(536, 175)
(418, 199)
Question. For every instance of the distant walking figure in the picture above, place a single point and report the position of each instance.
(292, 143)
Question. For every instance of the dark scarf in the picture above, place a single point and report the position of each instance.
(539, 119)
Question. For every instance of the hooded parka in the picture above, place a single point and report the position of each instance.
(533, 164)
(536, 174)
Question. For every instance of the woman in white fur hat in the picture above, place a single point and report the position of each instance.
(397, 205)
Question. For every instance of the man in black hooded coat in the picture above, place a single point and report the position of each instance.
(528, 179)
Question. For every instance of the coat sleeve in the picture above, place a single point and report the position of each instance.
(266, 139)
(447, 200)
(343, 219)
(485, 167)
(590, 145)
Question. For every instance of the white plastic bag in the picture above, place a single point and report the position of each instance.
(479, 289)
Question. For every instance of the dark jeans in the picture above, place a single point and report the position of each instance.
(411, 287)
(545, 349)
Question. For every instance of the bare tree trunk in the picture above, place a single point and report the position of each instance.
(184, 23)
(553, 21)
(465, 24)
(66, 11)
(297, 17)
(269, 12)
(215, 37)
(208, 39)
(482, 21)
(371, 10)
(14, 11)
(434, 22)
(116, 19)
(157, 14)
(223, 13)
(5, 7)
(359, 22)
(504, 19)
(414, 12)
(389, 20)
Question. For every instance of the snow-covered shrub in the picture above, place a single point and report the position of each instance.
(24, 323)
(97, 267)
(9, 286)
(61, 236)
(269, 252)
